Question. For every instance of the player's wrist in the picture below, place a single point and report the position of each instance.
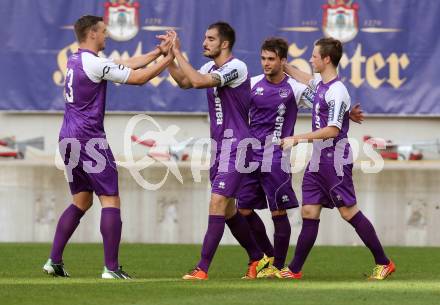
(157, 51)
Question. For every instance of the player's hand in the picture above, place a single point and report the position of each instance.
(170, 55)
(165, 44)
(176, 42)
(288, 142)
(356, 114)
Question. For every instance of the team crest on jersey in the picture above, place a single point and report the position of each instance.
(284, 92)
(259, 91)
(340, 19)
(122, 19)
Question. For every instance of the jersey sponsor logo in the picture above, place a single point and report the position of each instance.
(279, 122)
(342, 112)
(284, 92)
(259, 91)
(122, 19)
(331, 109)
(309, 95)
(317, 118)
(218, 108)
(228, 77)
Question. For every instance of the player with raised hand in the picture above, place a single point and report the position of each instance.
(328, 178)
(83, 139)
(275, 100)
(227, 83)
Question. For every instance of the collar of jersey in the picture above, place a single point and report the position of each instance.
(87, 51)
(280, 84)
(214, 67)
(330, 82)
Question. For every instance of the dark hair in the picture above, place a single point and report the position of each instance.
(225, 31)
(84, 24)
(277, 45)
(330, 47)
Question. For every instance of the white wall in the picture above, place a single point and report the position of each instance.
(401, 201)
(25, 126)
(409, 194)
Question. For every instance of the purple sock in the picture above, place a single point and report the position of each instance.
(306, 240)
(67, 224)
(111, 229)
(242, 233)
(214, 233)
(281, 239)
(366, 232)
(259, 232)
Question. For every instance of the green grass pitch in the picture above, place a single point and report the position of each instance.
(332, 275)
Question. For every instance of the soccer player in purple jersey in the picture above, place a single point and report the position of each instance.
(275, 99)
(227, 83)
(328, 178)
(82, 139)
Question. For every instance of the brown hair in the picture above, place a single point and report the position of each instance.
(277, 45)
(330, 47)
(84, 24)
(225, 31)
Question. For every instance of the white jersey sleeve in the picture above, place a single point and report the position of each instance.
(98, 69)
(233, 73)
(299, 91)
(313, 83)
(206, 67)
(339, 101)
(256, 79)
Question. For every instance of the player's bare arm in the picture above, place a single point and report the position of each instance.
(180, 78)
(195, 78)
(297, 74)
(174, 70)
(141, 61)
(142, 76)
(320, 134)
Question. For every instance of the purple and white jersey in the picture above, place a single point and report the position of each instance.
(228, 104)
(273, 112)
(84, 93)
(331, 107)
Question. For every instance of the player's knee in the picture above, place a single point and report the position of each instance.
(84, 206)
(278, 212)
(347, 213)
(218, 205)
(110, 201)
(245, 212)
(310, 212)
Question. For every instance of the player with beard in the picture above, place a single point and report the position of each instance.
(226, 80)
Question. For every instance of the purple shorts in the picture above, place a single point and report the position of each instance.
(328, 189)
(225, 174)
(96, 169)
(262, 188)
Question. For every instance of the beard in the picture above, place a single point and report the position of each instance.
(272, 72)
(212, 54)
